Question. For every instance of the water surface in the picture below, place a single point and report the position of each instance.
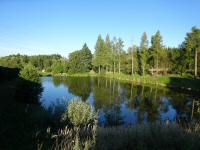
(117, 103)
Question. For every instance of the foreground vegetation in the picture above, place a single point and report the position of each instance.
(140, 137)
(77, 135)
(78, 127)
(22, 117)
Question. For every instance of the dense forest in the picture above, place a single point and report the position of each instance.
(150, 57)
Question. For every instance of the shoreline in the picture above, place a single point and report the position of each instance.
(175, 82)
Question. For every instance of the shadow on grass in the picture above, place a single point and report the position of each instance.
(25, 90)
(185, 85)
(142, 137)
(22, 118)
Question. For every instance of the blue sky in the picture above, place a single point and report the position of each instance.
(62, 26)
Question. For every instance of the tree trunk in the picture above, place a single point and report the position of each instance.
(119, 63)
(143, 73)
(132, 66)
(157, 65)
(113, 88)
(119, 67)
(114, 68)
(99, 69)
(195, 70)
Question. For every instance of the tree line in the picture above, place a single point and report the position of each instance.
(150, 57)
(147, 58)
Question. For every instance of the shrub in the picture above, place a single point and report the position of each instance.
(57, 68)
(79, 113)
(29, 72)
(73, 138)
(28, 86)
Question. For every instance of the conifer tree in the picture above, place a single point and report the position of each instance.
(144, 52)
(156, 47)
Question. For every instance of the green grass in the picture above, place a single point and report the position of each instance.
(45, 74)
(142, 137)
(155, 136)
(188, 84)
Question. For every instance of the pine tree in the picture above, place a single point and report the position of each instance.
(114, 53)
(119, 49)
(86, 58)
(192, 46)
(144, 52)
(80, 61)
(131, 52)
(99, 55)
(108, 53)
(156, 47)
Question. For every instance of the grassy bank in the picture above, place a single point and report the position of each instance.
(155, 136)
(143, 137)
(189, 84)
(182, 83)
(83, 133)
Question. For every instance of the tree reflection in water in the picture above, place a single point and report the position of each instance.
(121, 103)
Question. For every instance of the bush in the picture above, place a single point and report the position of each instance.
(79, 113)
(29, 72)
(28, 86)
(57, 68)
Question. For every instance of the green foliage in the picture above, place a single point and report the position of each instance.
(44, 61)
(57, 67)
(100, 47)
(41, 62)
(29, 72)
(14, 61)
(192, 40)
(28, 86)
(132, 60)
(79, 113)
(109, 56)
(86, 59)
(156, 47)
(144, 53)
(192, 48)
(80, 61)
(108, 52)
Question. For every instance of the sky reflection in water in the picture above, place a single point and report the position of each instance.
(118, 103)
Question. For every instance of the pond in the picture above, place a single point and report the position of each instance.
(117, 102)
